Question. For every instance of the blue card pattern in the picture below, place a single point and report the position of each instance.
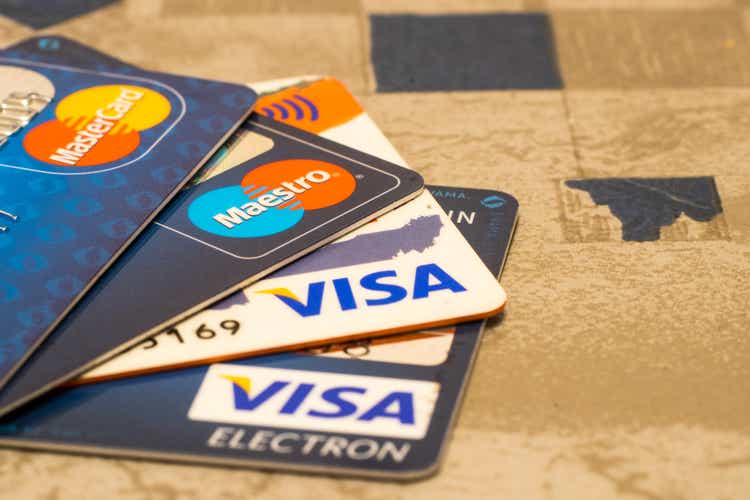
(137, 138)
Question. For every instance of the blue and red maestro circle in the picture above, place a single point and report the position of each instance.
(271, 198)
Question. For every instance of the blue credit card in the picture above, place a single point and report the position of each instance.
(367, 413)
(87, 158)
(219, 235)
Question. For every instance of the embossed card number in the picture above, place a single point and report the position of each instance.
(17, 110)
(203, 332)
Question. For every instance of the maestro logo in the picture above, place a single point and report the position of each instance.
(97, 125)
(271, 198)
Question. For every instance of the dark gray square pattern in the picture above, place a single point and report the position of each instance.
(463, 52)
(40, 14)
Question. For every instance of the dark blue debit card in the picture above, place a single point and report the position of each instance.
(213, 239)
(87, 158)
(203, 414)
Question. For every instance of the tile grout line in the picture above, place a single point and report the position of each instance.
(564, 90)
(571, 131)
(365, 33)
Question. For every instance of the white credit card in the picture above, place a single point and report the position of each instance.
(409, 269)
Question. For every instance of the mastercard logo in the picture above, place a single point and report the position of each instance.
(271, 198)
(97, 125)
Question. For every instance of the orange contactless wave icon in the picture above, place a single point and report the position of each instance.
(313, 107)
(97, 125)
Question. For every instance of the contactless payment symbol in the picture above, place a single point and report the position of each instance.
(271, 198)
(313, 107)
(97, 125)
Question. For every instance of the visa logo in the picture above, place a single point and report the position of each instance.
(427, 279)
(334, 402)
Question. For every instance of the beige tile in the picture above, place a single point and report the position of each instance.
(654, 48)
(142, 8)
(11, 31)
(662, 133)
(604, 335)
(233, 7)
(238, 48)
(640, 4)
(617, 463)
(744, 8)
(660, 462)
(735, 198)
(482, 139)
(443, 6)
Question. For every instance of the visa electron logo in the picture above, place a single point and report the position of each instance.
(315, 400)
(271, 198)
(97, 125)
(427, 279)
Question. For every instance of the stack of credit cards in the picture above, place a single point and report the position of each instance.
(255, 266)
